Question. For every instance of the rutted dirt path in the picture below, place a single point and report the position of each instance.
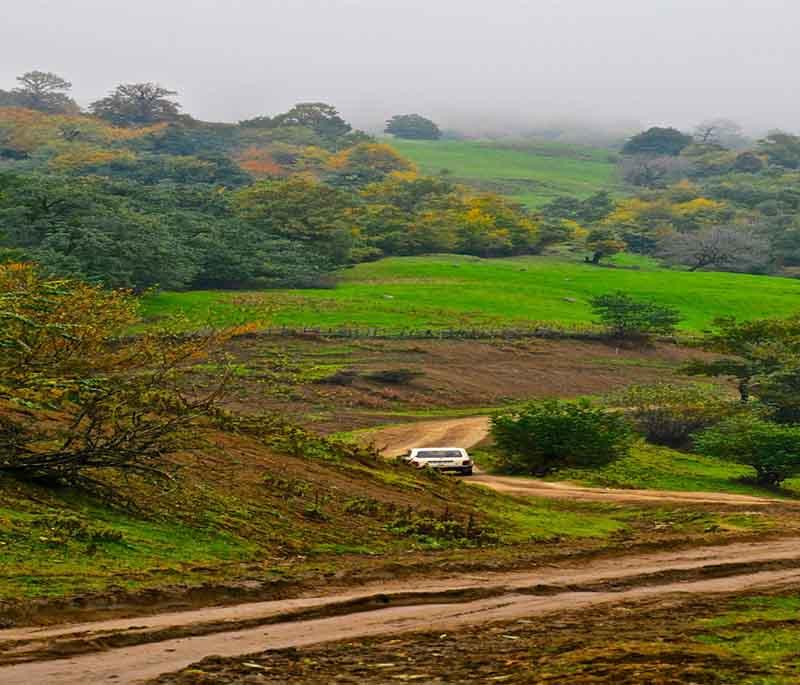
(468, 432)
(435, 604)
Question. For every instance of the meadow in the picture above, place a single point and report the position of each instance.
(532, 172)
(440, 292)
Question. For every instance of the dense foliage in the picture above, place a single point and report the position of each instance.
(773, 450)
(669, 414)
(549, 434)
(413, 127)
(138, 195)
(74, 405)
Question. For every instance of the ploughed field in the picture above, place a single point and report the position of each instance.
(455, 292)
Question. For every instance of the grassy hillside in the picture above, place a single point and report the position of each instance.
(533, 173)
(449, 291)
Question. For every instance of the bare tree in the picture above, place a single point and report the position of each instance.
(654, 172)
(719, 131)
(723, 248)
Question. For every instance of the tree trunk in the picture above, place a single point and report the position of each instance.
(744, 390)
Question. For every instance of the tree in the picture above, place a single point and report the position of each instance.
(44, 91)
(657, 141)
(321, 118)
(669, 414)
(748, 162)
(301, 210)
(366, 163)
(773, 450)
(603, 242)
(647, 171)
(548, 434)
(413, 127)
(76, 406)
(137, 104)
(631, 319)
(720, 131)
(761, 355)
(723, 248)
(781, 149)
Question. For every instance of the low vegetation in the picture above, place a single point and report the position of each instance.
(448, 292)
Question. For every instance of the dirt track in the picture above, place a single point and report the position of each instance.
(135, 650)
(436, 604)
(468, 432)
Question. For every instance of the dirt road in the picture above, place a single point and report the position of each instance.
(129, 652)
(468, 432)
(436, 604)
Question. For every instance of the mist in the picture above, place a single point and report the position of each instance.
(469, 64)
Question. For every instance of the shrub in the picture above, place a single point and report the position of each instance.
(772, 449)
(630, 319)
(549, 434)
(668, 414)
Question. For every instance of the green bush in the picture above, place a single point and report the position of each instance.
(630, 319)
(549, 434)
(668, 414)
(772, 449)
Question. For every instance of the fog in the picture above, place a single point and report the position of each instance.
(467, 63)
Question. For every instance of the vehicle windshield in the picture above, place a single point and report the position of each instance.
(439, 454)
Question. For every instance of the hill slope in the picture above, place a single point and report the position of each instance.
(532, 172)
(448, 291)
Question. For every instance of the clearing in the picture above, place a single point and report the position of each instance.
(533, 172)
(446, 292)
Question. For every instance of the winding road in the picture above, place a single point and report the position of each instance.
(468, 432)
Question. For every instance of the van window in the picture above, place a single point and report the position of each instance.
(439, 454)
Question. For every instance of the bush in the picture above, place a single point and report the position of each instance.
(772, 449)
(668, 414)
(631, 319)
(549, 434)
(394, 376)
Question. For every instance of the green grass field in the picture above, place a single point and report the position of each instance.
(531, 172)
(441, 292)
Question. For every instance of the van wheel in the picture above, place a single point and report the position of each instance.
(467, 471)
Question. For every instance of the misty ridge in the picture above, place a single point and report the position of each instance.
(579, 69)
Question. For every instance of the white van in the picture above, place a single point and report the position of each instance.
(453, 459)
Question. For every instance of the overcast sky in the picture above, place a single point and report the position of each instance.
(652, 61)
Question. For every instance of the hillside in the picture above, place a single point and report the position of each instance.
(440, 292)
(531, 172)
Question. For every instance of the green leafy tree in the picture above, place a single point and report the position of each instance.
(549, 435)
(413, 127)
(757, 354)
(137, 104)
(44, 91)
(321, 118)
(603, 242)
(657, 141)
(781, 149)
(773, 450)
(628, 318)
(304, 211)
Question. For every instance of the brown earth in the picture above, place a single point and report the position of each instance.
(289, 374)
(662, 640)
(438, 604)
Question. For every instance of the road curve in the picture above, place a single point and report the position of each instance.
(468, 432)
